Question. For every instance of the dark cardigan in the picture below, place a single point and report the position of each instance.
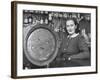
(76, 47)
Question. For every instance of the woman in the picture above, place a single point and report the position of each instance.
(74, 46)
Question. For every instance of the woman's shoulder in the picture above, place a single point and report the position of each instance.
(81, 39)
(80, 36)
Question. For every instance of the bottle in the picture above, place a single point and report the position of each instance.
(50, 17)
(41, 21)
(46, 21)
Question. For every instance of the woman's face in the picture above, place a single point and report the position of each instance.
(71, 27)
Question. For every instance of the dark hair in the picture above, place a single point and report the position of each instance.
(75, 22)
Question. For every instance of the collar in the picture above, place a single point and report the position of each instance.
(73, 36)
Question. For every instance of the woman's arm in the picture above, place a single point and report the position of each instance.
(84, 50)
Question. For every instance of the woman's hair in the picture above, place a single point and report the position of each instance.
(75, 22)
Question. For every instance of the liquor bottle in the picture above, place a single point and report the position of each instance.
(25, 21)
(41, 21)
(46, 21)
(50, 17)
